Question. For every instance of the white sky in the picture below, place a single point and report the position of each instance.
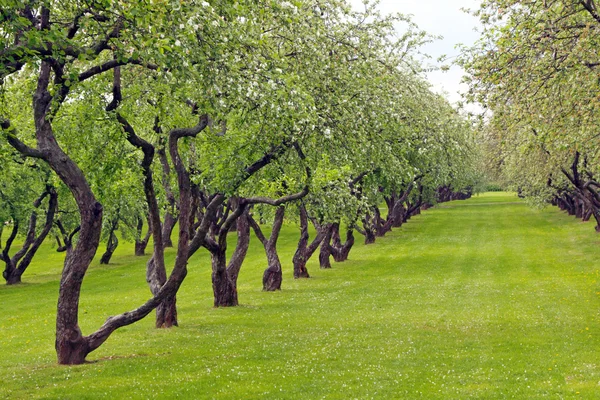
(441, 18)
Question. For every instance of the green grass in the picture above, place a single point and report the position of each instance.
(484, 298)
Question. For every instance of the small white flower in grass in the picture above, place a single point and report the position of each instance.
(177, 42)
(205, 4)
(327, 133)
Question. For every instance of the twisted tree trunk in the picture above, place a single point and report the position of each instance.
(325, 251)
(170, 218)
(304, 251)
(382, 226)
(224, 290)
(142, 242)
(339, 251)
(224, 277)
(111, 245)
(273, 275)
(368, 231)
(241, 248)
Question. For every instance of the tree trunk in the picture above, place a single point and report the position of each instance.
(325, 251)
(16, 265)
(166, 311)
(300, 256)
(167, 229)
(10, 270)
(300, 259)
(14, 278)
(368, 230)
(11, 274)
(241, 249)
(304, 251)
(587, 214)
(273, 275)
(170, 220)
(111, 246)
(71, 347)
(369, 237)
(398, 215)
(224, 290)
(381, 226)
(140, 248)
(578, 208)
(570, 205)
(224, 277)
(142, 243)
(340, 252)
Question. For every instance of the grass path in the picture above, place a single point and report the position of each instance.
(484, 298)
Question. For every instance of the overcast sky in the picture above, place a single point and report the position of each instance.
(441, 18)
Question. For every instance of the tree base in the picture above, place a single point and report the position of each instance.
(71, 348)
(166, 314)
(302, 274)
(272, 280)
(140, 249)
(224, 290)
(13, 280)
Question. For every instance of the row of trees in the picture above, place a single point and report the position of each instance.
(211, 117)
(536, 70)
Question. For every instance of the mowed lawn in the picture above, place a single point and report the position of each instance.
(485, 298)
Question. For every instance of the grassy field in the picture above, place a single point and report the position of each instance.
(484, 298)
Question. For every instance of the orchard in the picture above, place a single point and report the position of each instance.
(266, 142)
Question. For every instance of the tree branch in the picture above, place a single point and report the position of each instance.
(17, 144)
